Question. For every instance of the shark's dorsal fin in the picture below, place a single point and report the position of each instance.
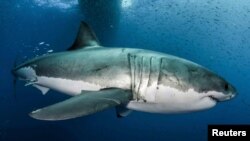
(85, 38)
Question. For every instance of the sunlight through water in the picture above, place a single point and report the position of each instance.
(61, 4)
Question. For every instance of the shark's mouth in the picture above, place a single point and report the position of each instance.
(214, 98)
(219, 97)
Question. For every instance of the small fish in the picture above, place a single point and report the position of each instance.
(49, 51)
(41, 43)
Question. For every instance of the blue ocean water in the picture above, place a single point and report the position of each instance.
(213, 33)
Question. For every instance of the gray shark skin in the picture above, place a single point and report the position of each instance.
(126, 78)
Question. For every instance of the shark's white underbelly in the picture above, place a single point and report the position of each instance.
(171, 100)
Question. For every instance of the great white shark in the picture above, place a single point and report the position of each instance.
(126, 78)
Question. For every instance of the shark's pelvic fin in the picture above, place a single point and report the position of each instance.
(85, 38)
(122, 111)
(44, 90)
(83, 104)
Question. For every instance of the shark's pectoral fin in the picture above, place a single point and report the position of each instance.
(122, 111)
(44, 90)
(84, 104)
(86, 38)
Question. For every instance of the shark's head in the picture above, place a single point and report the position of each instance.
(192, 85)
(215, 87)
(210, 84)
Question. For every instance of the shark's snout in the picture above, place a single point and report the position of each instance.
(230, 93)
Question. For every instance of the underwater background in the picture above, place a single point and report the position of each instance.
(213, 33)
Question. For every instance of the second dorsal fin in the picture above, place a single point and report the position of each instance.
(85, 38)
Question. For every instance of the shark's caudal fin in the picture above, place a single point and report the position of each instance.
(85, 38)
(83, 104)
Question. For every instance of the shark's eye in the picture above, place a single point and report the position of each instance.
(226, 86)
